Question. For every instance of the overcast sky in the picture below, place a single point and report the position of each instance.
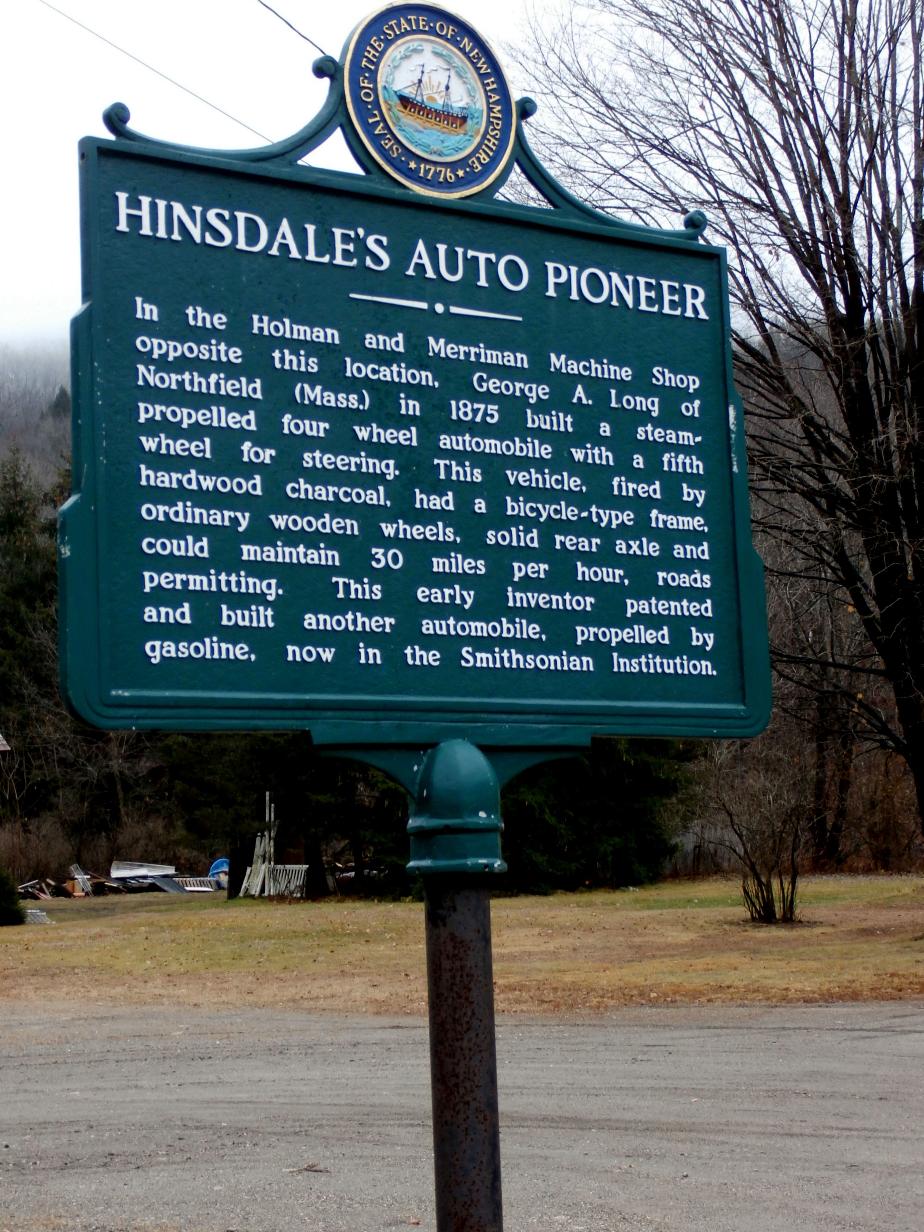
(56, 79)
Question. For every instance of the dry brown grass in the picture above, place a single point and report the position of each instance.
(860, 938)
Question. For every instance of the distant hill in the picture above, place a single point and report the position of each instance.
(35, 405)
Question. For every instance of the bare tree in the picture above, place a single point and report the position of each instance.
(798, 126)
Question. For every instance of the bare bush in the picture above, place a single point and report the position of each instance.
(37, 848)
(755, 801)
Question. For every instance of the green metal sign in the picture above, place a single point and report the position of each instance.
(393, 468)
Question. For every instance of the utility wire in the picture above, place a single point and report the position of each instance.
(286, 21)
(144, 64)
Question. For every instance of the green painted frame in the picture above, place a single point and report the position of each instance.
(558, 726)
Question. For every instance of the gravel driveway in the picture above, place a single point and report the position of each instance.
(660, 1120)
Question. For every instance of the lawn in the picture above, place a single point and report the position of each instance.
(684, 942)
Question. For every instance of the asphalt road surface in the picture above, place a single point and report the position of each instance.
(661, 1120)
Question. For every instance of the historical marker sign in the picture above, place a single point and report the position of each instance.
(395, 468)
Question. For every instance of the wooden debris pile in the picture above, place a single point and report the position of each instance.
(79, 884)
(125, 877)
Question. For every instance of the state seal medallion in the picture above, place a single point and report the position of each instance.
(429, 100)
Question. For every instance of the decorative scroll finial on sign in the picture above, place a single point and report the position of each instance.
(423, 102)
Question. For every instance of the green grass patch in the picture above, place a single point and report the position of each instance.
(681, 941)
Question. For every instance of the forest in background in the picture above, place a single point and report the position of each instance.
(811, 788)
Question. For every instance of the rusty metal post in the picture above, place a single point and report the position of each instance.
(463, 1061)
(455, 843)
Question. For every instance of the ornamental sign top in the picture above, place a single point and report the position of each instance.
(429, 100)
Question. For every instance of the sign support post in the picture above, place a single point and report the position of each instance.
(455, 845)
(463, 1061)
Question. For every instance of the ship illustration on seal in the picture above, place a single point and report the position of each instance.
(430, 103)
(432, 99)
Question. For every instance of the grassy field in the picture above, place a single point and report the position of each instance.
(859, 938)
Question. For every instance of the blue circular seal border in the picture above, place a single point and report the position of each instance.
(487, 145)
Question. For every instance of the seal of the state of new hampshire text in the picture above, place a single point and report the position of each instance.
(429, 101)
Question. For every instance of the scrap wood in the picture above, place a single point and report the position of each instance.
(97, 884)
(42, 888)
(81, 878)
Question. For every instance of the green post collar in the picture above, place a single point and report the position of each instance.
(456, 826)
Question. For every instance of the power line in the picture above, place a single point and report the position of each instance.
(144, 64)
(286, 21)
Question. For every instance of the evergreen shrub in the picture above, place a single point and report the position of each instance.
(11, 909)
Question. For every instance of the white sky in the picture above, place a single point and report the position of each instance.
(56, 80)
